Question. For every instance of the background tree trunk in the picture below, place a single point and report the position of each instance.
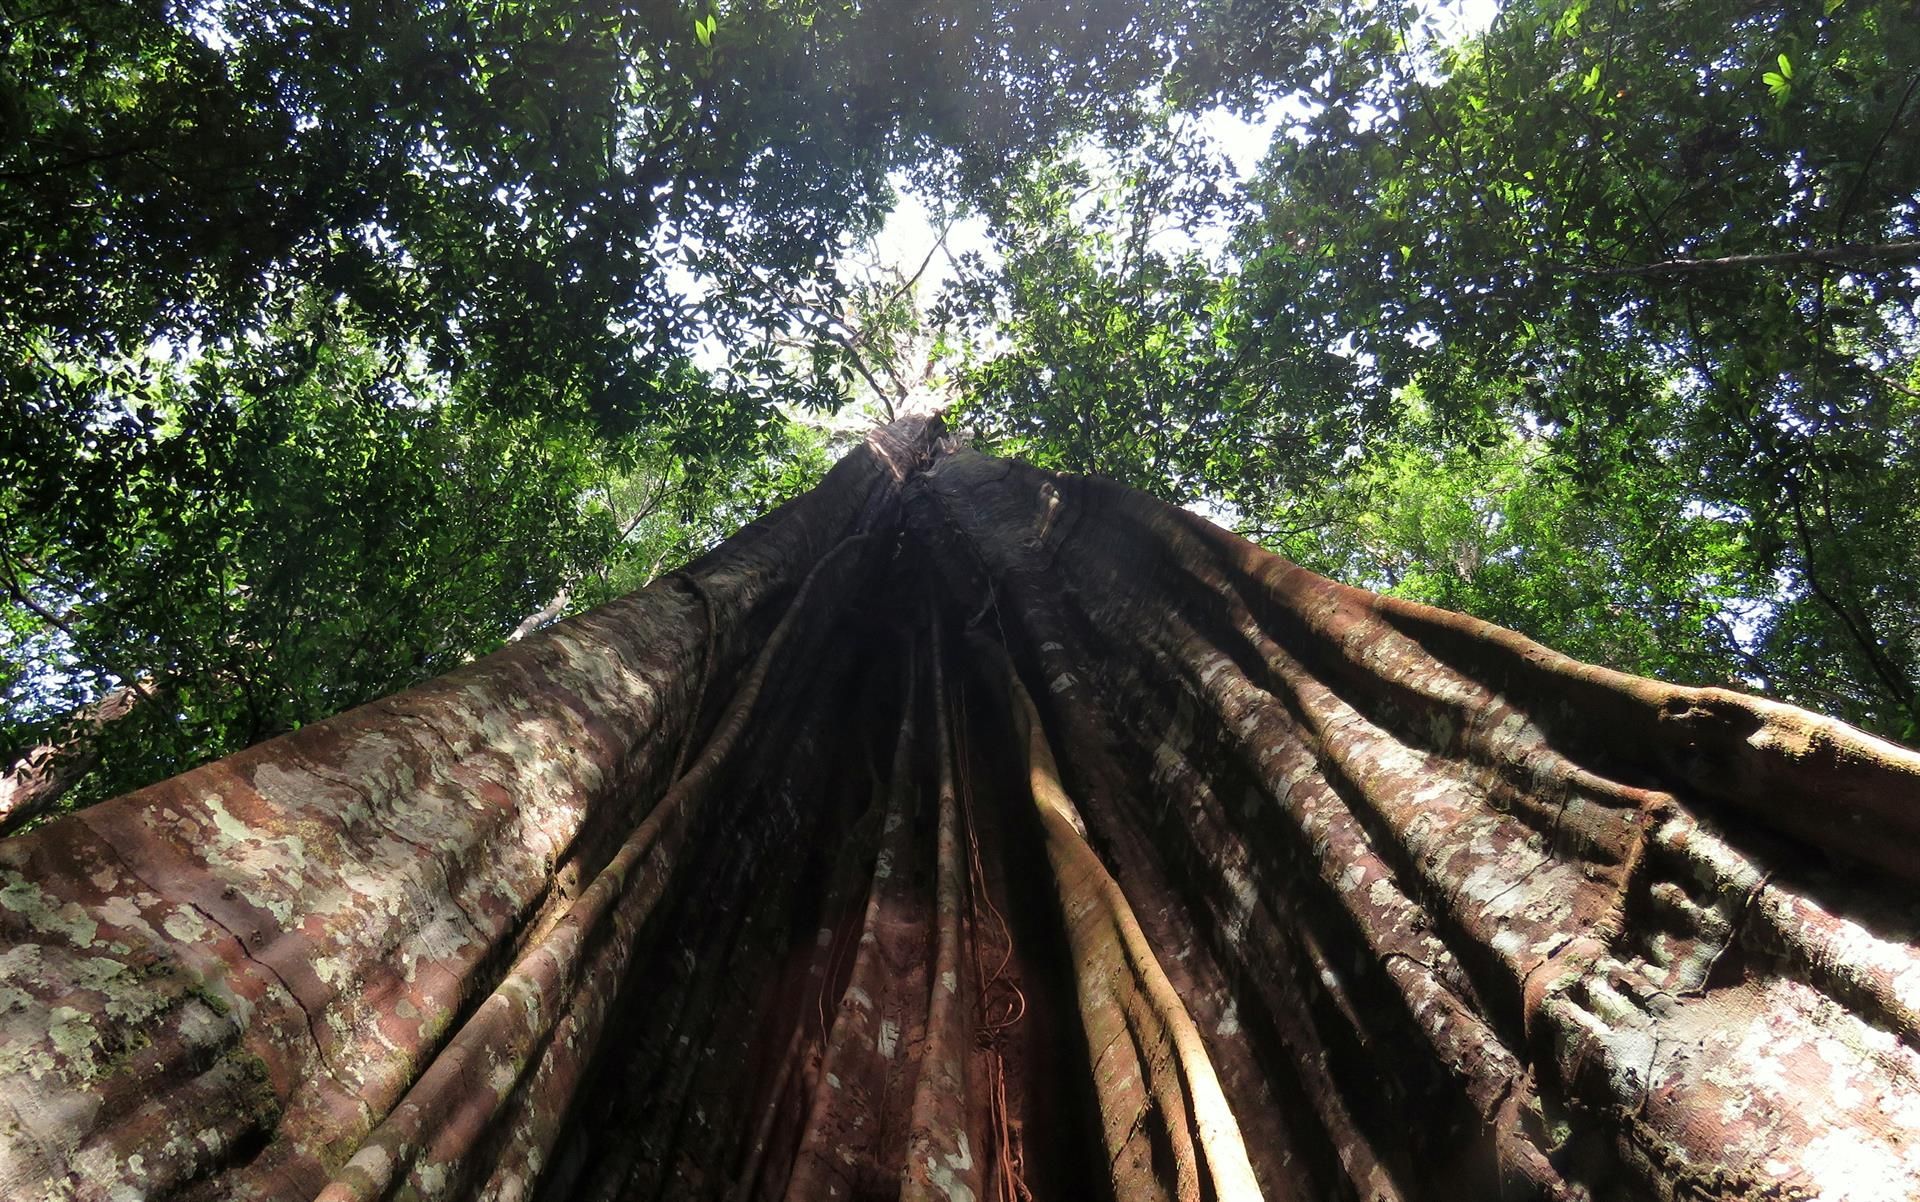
(46, 773)
(964, 831)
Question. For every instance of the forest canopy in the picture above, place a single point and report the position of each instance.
(341, 343)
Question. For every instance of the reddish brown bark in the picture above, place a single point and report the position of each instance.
(962, 831)
(46, 773)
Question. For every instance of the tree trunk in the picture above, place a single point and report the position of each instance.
(544, 616)
(961, 831)
(46, 773)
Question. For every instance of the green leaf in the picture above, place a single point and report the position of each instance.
(1591, 80)
(1568, 23)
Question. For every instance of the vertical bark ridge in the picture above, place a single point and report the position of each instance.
(946, 1151)
(1246, 913)
(852, 1140)
(1158, 1092)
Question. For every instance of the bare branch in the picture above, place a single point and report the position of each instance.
(1907, 251)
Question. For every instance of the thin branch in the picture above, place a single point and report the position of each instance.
(1896, 685)
(939, 244)
(1650, 220)
(545, 614)
(1889, 382)
(654, 500)
(15, 565)
(1903, 251)
(858, 363)
(1279, 532)
(1866, 166)
(85, 160)
(1754, 664)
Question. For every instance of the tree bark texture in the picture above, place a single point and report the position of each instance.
(959, 832)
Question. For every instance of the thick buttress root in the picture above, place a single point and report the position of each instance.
(965, 833)
(1152, 1076)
